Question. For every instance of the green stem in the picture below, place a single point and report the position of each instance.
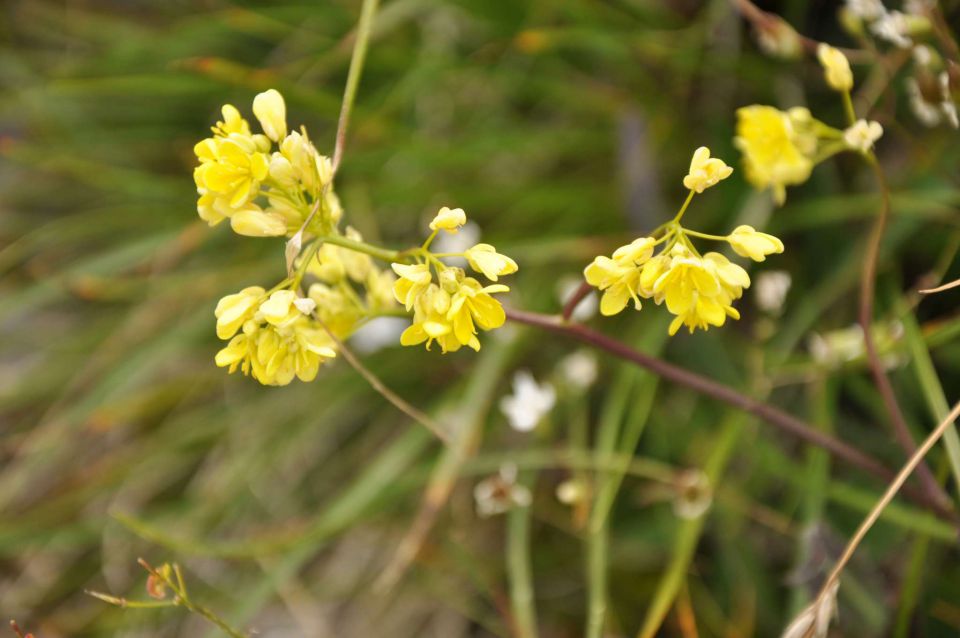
(848, 108)
(376, 252)
(520, 572)
(683, 209)
(364, 26)
(704, 235)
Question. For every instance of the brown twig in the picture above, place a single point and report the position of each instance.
(868, 277)
(578, 295)
(713, 389)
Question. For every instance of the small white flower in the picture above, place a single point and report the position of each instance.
(893, 27)
(771, 288)
(948, 106)
(572, 491)
(866, 9)
(500, 492)
(693, 495)
(579, 369)
(929, 114)
(862, 135)
(814, 621)
(529, 403)
(922, 55)
(587, 308)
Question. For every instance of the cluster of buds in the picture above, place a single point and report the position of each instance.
(698, 289)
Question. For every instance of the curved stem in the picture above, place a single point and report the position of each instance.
(708, 387)
(867, 293)
(376, 252)
(578, 295)
(683, 209)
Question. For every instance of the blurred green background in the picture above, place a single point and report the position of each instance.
(564, 128)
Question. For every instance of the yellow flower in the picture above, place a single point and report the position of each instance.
(379, 286)
(777, 147)
(748, 242)
(253, 221)
(699, 290)
(312, 169)
(278, 342)
(271, 110)
(473, 306)
(619, 277)
(336, 308)
(413, 282)
(430, 321)
(233, 310)
(836, 67)
(485, 258)
(705, 171)
(862, 135)
(231, 168)
(449, 220)
(232, 122)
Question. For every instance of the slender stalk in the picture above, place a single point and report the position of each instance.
(367, 11)
(578, 295)
(376, 252)
(887, 497)
(708, 387)
(520, 572)
(867, 293)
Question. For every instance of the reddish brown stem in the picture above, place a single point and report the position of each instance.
(715, 390)
(578, 295)
(868, 278)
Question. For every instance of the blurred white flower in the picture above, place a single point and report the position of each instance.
(948, 106)
(529, 402)
(893, 27)
(378, 333)
(922, 55)
(929, 114)
(693, 495)
(840, 346)
(587, 308)
(579, 369)
(814, 621)
(862, 135)
(500, 492)
(770, 290)
(866, 9)
(572, 491)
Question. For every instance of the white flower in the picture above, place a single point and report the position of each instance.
(929, 114)
(893, 27)
(862, 135)
(529, 403)
(948, 106)
(579, 369)
(814, 621)
(922, 55)
(770, 289)
(500, 492)
(866, 9)
(693, 495)
(587, 307)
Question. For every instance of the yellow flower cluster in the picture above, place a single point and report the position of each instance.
(450, 307)
(698, 289)
(272, 336)
(263, 192)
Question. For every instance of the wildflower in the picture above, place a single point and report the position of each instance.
(866, 9)
(705, 171)
(894, 27)
(771, 290)
(619, 276)
(862, 135)
(472, 306)
(529, 403)
(485, 258)
(430, 321)
(777, 147)
(336, 308)
(748, 242)
(311, 169)
(836, 67)
(500, 492)
(449, 220)
(693, 495)
(271, 111)
(573, 492)
(233, 310)
(814, 621)
(928, 113)
(413, 282)
(579, 369)
(253, 221)
(231, 168)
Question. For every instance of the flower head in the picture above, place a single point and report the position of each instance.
(777, 146)
(862, 135)
(449, 220)
(485, 258)
(230, 169)
(746, 241)
(619, 276)
(836, 67)
(529, 403)
(705, 171)
(412, 283)
(233, 310)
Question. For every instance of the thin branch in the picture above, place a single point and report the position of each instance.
(929, 291)
(892, 490)
(417, 415)
(867, 294)
(367, 11)
(708, 387)
(578, 295)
